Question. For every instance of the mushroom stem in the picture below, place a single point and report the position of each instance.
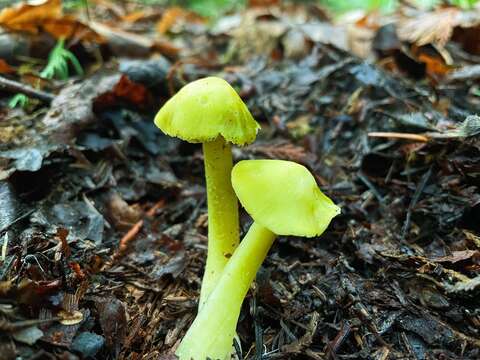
(223, 228)
(211, 334)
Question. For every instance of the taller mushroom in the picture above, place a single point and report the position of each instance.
(209, 111)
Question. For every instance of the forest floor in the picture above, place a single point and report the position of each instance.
(103, 218)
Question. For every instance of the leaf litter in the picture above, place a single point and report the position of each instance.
(103, 229)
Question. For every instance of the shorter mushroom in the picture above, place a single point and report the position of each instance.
(283, 199)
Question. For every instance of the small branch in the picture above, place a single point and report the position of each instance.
(8, 326)
(395, 135)
(126, 240)
(413, 203)
(16, 87)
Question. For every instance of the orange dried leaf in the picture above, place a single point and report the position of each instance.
(435, 65)
(126, 240)
(160, 204)
(166, 48)
(77, 269)
(69, 27)
(26, 17)
(62, 234)
(123, 91)
(369, 21)
(134, 16)
(5, 68)
(132, 92)
(46, 16)
(169, 18)
(174, 14)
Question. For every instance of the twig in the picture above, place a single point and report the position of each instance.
(21, 217)
(258, 330)
(132, 233)
(371, 187)
(8, 326)
(395, 135)
(160, 204)
(415, 198)
(339, 339)
(4, 247)
(16, 87)
(127, 239)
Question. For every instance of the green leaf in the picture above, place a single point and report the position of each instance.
(19, 100)
(58, 59)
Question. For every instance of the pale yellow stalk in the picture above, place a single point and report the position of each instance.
(223, 227)
(211, 334)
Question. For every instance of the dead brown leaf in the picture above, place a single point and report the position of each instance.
(257, 34)
(134, 16)
(113, 320)
(48, 17)
(5, 68)
(112, 7)
(130, 44)
(282, 150)
(430, 27)
(435, 65)
(5, 287)
(360, 34)
(26, 17)
(457, 256)
(120, 213)
(173, 15)
(125, 91)
(62, 234)
(34, 292)
(71, 110)
(69, 27)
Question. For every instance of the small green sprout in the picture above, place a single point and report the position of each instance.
(283, 199)
(20, 100)
(57, 66)
(209, 111)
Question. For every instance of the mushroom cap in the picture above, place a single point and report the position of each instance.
(205, 109)
(283, 197)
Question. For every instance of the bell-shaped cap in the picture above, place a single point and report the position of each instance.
(283, 197)
(204, 109)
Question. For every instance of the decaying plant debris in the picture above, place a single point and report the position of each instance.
(103, 218)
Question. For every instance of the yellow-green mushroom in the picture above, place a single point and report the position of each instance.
(283, 198)
(209, 111)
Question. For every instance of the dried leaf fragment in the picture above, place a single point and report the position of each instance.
(173, 15)
(427, 28)
(5, 68)
(70, 318)
(27, 17)
(29, 335)
(48, 16)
